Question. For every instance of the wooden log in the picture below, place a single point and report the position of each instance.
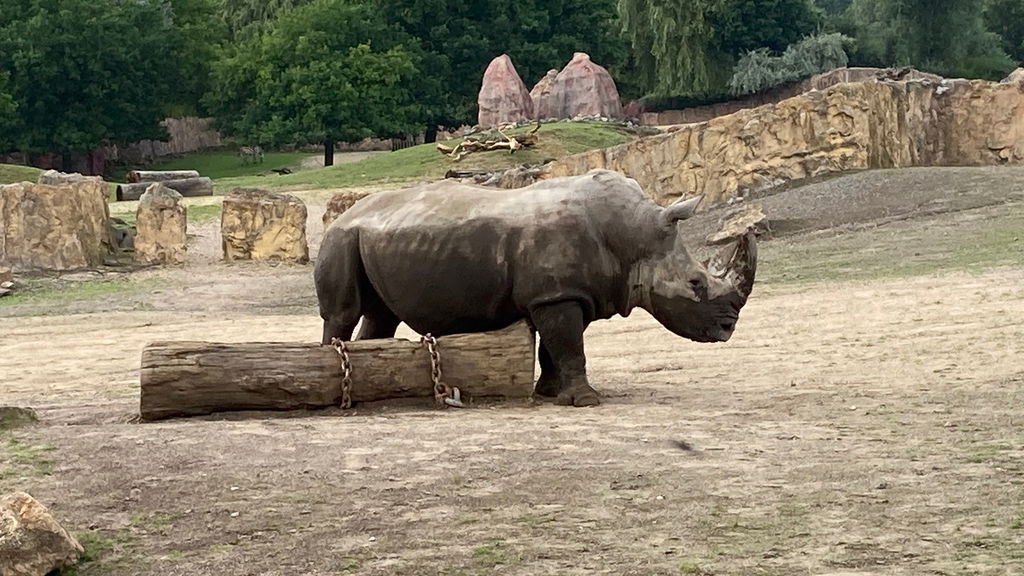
(187, 187)
(136, 176)
(196, 378)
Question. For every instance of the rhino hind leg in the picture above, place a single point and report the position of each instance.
(549, 384)
(561, 327)
(341, 286)
(378, 320)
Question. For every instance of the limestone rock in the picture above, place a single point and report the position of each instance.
(32, 543)
(54, 227)
(6, 275)
(586, 89)
(546, 100)
(55, 178)
(1015, 78)
(503, 97)
(161, 224)
(341, 202)
(261, 225)
(849, 126)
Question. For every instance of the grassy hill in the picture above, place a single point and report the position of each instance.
(10, 173)
(424, 161)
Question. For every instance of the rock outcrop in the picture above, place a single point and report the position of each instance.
(55, 178)
(1015, 78)
(547, 104)
(584, 88)
(503, 97)
(341, 202)
(261, 225)
(32, 543)
(879, 124)
(54, 227)
(161, 224)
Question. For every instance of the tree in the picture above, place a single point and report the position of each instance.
(1006, 18)
(759, 70)
(455, 40)
(947, 37)
(331, 70)
(199, 34)
(8, 109)
(252, 17)
(833, 7)
(84, 73)
(689, 47)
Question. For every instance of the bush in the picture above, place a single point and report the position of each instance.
(758, 70)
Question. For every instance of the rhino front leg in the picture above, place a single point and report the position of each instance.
(561, 329)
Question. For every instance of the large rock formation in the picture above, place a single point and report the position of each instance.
(503, 97)
(55, 178)
(1016, 78)
(54, 227)
(883, 124)
(584, 88)
(32, 543)
(161, 224)
(547, 102)
(341, 202)
(261, 225)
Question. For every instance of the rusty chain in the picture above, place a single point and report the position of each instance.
(346, 372)
(444, 395)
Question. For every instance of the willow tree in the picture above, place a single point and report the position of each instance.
(673, 43)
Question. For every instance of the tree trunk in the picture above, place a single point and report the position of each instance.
(430, 136)
(187, 187)
(136, 176)
(329, 152)
(195, 378)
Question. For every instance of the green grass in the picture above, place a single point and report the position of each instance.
(203, 213)
(424, 161)
(226, 163)
(494, 553)
(102, 553)
(899, 250)
(61, 292)
(10, 173)
(20, 458)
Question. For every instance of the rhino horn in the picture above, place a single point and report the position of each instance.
(681, 209)
(744, 264)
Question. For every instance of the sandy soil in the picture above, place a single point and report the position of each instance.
(849, 428)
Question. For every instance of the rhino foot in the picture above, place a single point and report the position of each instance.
(547, 387)
(579, 395)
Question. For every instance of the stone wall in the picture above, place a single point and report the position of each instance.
(188, 134)
(878, 124)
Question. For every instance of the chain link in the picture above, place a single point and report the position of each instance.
(444, 395)
(346, 372)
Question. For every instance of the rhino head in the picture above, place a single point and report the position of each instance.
(693, 300)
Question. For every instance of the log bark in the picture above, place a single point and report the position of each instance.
(187, 187)
(197, 378)
(136, 176)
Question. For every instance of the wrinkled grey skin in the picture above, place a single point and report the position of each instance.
(451, 258)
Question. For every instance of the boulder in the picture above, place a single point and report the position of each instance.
(160, 224)
(1015, 78)
(6, 275)
(503, 97)
(341, 202)
(54, 227)
(546, 99)
(849, 126)
(261, 225)
(55, 178)
(584, 88)
(32, 543)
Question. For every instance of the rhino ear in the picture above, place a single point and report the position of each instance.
(681, 210)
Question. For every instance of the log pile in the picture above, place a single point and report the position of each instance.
(197, 378)
(489, 140)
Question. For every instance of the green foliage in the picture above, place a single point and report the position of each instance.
(688, 47)
(83, 73)
(198, 34)
(226, 163)
(759, 70)
(832, 7)
(455, 41)
(1006, 18)
(253, 17)
(947, 37)
(328, 70)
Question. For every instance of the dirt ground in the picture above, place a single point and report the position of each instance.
(865, 419)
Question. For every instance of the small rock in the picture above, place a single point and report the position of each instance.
(373, 538)
(234, 514)
(5, 292)
(31, 540)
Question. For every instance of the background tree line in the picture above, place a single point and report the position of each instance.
(77, 74)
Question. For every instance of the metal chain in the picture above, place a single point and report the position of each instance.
(444, 395)
(346, 372)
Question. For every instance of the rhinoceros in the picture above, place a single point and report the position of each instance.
(452, 258)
